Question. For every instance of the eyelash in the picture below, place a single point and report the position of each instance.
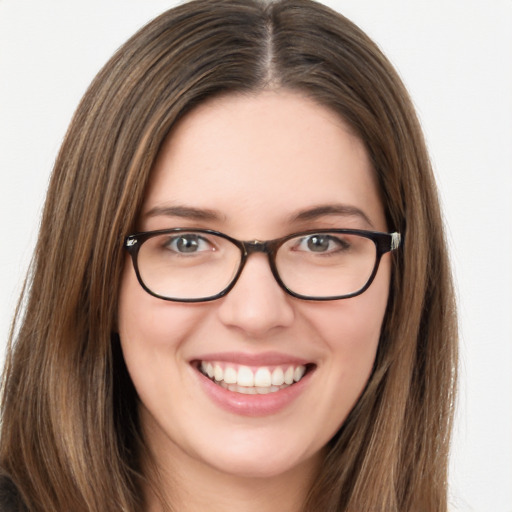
(340, 244)
(186, 237)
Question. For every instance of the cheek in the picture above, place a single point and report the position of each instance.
(149, 321)
(350, 343)
(151, 332)
(349, 332)
(353, 326)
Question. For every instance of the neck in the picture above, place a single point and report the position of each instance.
(225, 494)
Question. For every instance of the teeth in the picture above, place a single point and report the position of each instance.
(278, 377)
(244, 380)
(263, 379)
(299, 373)
(230, 376)
(218, 373)
(245, 376)
(245, 390)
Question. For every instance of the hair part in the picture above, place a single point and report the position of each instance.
(70, 436)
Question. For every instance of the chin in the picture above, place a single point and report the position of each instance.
(262, 460)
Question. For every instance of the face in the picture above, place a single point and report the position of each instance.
(256, 168)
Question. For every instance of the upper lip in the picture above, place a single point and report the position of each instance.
(249, 359)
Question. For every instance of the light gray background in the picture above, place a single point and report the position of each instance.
(455, 56)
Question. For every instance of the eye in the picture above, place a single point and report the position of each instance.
(321, 243)
(188, 243)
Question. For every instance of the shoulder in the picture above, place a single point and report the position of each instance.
(9, 497)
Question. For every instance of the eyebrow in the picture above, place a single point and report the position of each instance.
(205, 214)
(185, 212)
(331, 209)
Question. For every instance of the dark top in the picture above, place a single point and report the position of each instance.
(10, 500)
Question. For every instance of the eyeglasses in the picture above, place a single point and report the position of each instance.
(198, 265)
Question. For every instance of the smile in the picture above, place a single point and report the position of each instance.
(252, 380)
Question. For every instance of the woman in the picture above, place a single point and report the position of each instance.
(162, 360)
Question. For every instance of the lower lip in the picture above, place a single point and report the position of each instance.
(253, 405)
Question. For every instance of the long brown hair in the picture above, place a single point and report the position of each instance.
(70, 434)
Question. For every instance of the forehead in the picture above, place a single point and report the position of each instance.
(263, 156)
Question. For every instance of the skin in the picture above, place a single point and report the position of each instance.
(256, 161)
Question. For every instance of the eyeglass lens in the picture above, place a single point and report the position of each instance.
(196, 265)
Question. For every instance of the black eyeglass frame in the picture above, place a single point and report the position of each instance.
(384, 242)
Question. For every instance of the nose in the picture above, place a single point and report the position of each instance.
(256, 305)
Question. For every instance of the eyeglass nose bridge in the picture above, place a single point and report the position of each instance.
(253, 246)
(268, 247)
